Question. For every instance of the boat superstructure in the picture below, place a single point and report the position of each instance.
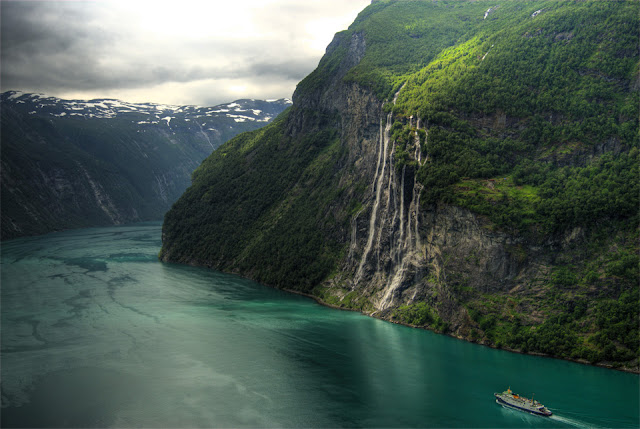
(513, 400)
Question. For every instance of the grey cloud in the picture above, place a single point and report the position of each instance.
(57, 46)
(293, 69)
(48, 44)
(28, 25)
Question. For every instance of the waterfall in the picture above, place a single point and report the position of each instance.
(378, 181)
(393, 248)
(417, 186)
(391, 193)
(407, 251)
(354, 220)
(400, 247)
(380, 143)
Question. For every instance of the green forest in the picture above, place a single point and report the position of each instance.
(529, 118)
(567, 81)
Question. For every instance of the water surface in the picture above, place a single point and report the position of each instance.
(97, 333)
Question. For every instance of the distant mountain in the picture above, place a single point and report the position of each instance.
(466, 166)
(70, 163)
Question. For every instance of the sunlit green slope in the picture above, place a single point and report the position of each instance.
(526, 114)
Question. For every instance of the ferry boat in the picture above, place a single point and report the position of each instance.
(513, 400)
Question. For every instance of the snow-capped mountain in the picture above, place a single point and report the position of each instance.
(73, 163)
(215, 121)
(239, 110)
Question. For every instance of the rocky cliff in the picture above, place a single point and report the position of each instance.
(431, 173)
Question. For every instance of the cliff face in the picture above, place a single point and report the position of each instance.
(402, 252)
(419, 179)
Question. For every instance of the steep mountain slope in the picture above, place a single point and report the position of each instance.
(70, 164)
(470, 167)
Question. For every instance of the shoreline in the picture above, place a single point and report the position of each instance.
(507, 349)
(319, 301)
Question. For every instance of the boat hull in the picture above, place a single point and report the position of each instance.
(536, 412)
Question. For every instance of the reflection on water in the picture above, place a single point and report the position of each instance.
(97, 333)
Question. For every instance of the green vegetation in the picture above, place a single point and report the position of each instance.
(533, 123)
(547, 101)
(247, 208)
(580, 328)
(589, 308)
(529, 120)
(467, 77)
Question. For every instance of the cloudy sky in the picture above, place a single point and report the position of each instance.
(176, 52)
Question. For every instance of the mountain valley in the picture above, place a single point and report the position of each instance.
(71, 163)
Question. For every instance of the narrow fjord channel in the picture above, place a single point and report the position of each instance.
(96, 332)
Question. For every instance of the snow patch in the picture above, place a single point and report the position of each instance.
(104, 106)
(243, 117)
(162, 107)
(15, 94)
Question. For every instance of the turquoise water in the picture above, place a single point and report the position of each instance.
(97, 333)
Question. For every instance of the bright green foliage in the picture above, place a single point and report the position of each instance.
(403, 37)
(418, 314)
(527, 119)
(564, 77)
(533, 123)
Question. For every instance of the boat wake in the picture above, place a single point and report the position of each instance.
(580, 420)
(572, 422)
(558, 418)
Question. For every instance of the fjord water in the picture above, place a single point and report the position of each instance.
(96, 332)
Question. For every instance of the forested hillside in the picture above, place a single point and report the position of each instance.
(466, 166)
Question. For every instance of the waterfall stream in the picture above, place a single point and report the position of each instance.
(385, 137)
(393, 249)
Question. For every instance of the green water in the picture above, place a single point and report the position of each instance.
(97, 333)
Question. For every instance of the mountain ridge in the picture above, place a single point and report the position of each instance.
(74, 163)
(467, 167)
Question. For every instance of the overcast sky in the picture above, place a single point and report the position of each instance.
(174, 52)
